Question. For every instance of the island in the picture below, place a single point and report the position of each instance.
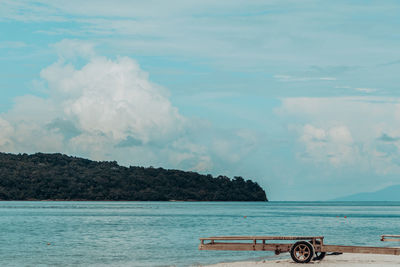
(44, 176)
(390, 193)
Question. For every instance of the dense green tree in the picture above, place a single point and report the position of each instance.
(60, 177)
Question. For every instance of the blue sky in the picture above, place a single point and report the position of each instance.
(300, 96)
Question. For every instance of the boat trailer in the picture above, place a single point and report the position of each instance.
(303, 250)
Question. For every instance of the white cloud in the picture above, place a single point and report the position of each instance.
(71, 49)
(359, 89)
(12, 44)
(187, 152)
(113, 98)
(33, 109)
(6, 132)
(91, 110)
(334, 144)
(327, 78)
(343, 87)
(288, 78)
(346, 131)
(108, 109)
(310, 133)
(366, 90)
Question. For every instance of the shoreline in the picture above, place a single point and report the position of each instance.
(346, 259)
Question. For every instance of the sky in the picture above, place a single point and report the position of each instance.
(300, 96)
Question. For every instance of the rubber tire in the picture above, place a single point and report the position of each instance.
(319, 255)
(306, 243)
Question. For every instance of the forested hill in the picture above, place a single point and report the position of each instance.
(60, 177)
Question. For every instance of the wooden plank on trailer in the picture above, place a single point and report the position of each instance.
(361, 249)
(395, 238)
(246, 246)
(261, 238)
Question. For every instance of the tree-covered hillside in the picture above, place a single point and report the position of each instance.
(60, 177)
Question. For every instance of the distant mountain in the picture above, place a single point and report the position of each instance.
(391, 193)
(60, 177)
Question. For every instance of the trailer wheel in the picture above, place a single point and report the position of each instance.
(302, 252)
(318, 255)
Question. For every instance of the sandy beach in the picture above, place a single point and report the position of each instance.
(338, 260)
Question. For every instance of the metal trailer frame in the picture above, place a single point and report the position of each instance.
(305, 249)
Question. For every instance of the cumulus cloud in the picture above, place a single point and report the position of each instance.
(108, 109)
(93, 110)
(334, 144)
(346, 131)
(113, 98)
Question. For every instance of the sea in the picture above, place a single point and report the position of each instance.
(51, 233)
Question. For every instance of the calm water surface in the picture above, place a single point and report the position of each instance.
(166, 233)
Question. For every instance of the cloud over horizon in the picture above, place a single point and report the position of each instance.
(299, 97)
(350, 131)
(91, 110)
(108, 109)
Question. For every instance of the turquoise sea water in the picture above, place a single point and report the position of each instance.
(166, 233)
